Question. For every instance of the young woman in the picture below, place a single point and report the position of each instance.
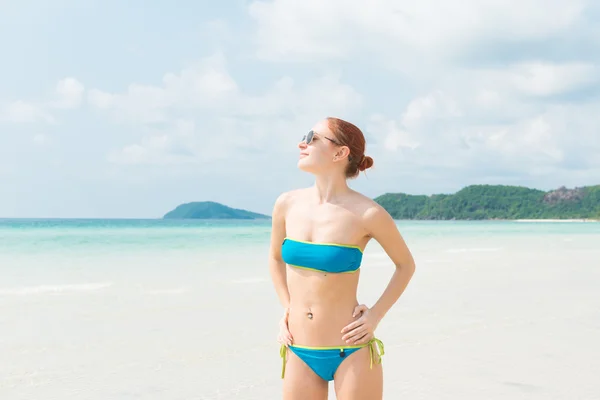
(317, 242)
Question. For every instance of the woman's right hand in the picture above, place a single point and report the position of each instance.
(284, 337)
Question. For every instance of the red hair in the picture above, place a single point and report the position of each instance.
(350, 135)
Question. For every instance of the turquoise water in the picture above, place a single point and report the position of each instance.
(35, 236)
(114, 235)
(129, 309)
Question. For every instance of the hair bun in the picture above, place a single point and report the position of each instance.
(366, 163)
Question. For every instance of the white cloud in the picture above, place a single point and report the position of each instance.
(178, 145)
(555, 137)
(461, 105)
(480, 119)
(465, 113)
(101, 99)
(203, 85)
(69, 93)
(423, 121)
(435, 106)
(141, 103)
(391, 134)
(23, 112)
(548, 79)
(221, 119)
(312, 29)
(538, 78)
(208, 87)
(534, 140)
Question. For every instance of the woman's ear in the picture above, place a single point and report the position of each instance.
(342, 152)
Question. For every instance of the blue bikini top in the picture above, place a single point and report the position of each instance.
(326, 257)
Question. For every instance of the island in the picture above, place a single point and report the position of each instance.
(474, 202)
(210, 210)
(479, 202)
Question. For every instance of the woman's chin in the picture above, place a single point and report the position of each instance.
(303, 165)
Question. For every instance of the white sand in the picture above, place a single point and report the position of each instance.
(516, 318)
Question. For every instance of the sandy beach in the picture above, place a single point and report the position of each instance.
(487, 316)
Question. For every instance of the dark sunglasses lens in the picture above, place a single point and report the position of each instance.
(309, 137)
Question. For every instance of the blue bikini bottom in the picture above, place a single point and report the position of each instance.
(324, 361)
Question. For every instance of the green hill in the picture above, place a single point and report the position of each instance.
(210, 210)
(496, 202)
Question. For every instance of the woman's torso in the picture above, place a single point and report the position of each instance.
(322, 303)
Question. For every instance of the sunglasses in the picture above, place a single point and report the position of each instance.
(309, 138)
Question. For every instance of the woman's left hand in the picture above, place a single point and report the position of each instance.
(363, 329)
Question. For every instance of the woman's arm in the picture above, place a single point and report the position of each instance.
(383, 229)
(276, 263)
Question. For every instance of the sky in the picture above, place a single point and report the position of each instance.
(113, 109)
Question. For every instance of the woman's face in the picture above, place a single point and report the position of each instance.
(319, 154)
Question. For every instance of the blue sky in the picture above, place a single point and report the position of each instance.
(127, 109)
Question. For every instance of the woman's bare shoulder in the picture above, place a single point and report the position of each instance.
(366, 206)
(287, 198)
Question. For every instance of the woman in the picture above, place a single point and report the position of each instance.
(320, 233)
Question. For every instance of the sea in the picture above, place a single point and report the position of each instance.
(185, 309)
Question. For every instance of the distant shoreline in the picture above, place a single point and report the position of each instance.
(558, 220)
(524, 220)
(498, 202)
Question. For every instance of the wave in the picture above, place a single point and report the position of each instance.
(166, 291)
(43, 289)
(474, 250)
(249, 280)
